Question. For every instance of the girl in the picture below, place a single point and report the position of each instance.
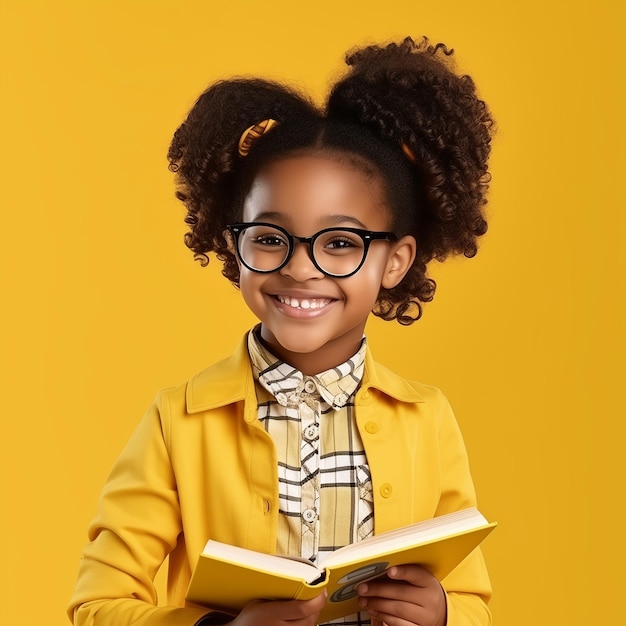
(300, 442)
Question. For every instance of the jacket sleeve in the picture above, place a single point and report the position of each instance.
(467, 587)
(136, 527)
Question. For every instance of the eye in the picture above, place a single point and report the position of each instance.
(340, 242)
(270, 240)
(266, 237)
(337, 243)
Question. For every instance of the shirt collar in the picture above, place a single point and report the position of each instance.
(231, 380)
(290, 386)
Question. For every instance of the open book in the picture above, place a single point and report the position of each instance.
(227, 577)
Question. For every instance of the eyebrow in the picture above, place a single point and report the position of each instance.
(330, 220)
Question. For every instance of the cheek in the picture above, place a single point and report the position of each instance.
(366, 289)
(245, 282)
(373, 270)
(250, 286)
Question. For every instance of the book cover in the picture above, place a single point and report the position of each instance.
(227, 577)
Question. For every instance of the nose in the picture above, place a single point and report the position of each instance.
(300, 266)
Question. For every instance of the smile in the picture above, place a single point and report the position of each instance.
(304, 303)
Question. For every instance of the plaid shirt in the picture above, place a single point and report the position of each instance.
(325, 487)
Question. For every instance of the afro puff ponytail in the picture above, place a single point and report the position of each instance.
(402, 109)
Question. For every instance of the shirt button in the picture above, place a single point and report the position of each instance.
(309, 515)
(341, 399)
(309, 386)
(371, 427)
(310, 432)
(386, 490)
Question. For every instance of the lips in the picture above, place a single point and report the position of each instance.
(304, 303)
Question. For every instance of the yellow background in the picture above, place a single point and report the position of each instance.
(102, 303)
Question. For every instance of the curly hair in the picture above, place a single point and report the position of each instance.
(401, 112)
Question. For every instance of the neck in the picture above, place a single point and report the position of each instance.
(311, 363)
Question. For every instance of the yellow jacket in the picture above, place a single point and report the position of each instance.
(201, 465)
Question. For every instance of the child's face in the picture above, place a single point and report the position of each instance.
(305, 194)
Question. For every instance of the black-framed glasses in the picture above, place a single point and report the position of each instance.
(336, 252)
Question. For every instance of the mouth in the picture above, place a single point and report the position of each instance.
(304, 304)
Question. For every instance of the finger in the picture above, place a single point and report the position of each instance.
(407, 603)
(391, 620)
(303, 609)
(416, 575)
(384, 610)
(292, 611)
(393, 589)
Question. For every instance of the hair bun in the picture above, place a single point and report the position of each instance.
(410, 93)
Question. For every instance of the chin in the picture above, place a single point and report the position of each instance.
(298, 345)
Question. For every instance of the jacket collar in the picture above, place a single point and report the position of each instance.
(231, 380)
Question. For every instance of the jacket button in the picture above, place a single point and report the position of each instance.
(267, 507)
(371, 427)
(385, 490)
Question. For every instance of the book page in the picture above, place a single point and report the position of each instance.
(407, 536)
(293, 567)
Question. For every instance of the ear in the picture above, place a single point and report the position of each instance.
(400, 259)
(228, 236)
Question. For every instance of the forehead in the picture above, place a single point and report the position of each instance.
(323, 188)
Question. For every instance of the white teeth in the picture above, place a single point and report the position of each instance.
(302, 303)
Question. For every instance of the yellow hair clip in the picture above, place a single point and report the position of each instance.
(250, 135)
(410, 155)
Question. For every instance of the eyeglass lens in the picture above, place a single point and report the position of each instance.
(337, 252)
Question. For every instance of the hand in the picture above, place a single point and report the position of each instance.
(408, 594)
(281, 613)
